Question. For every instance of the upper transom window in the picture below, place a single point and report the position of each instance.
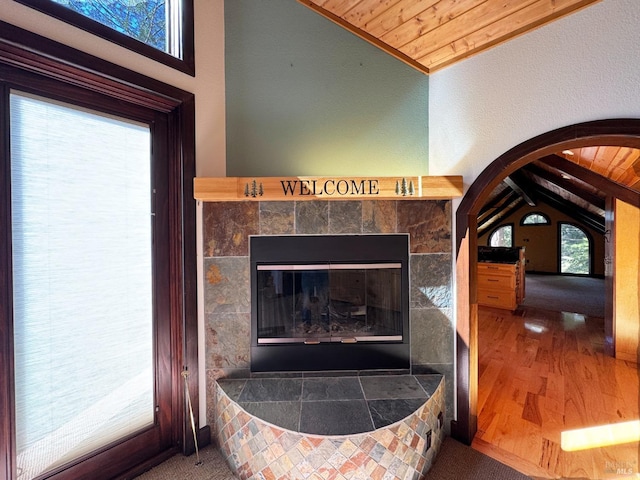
(535, 218)
(159, 29)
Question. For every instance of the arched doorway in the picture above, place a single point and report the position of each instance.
(614, 132)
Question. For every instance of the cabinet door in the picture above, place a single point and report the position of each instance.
(501, 282)
(496, 298)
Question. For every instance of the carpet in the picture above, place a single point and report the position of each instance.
(211, 467)
(455, 461)
(562, 293)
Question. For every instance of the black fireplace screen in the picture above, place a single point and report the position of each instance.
(329, 303)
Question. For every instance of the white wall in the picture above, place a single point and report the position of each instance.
(582, 67)
(207, 85)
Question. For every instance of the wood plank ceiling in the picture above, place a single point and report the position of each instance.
(432, 34)
(620, 164)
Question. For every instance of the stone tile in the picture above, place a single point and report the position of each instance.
(237, 373)
(232, 387)
(386, 412)
(226, 285)
(432, 336)
(332, 373)
(448, 372)
(430, 279)
(391, 387)
(345, 217)
(429, 382)
(429, 224)
(276, 374)
(272, 390)
(335, 417)
(211, 397)
(379, 216)
(277, 218)
(282, 414)
(227, 340)
(332, 388)
(373, 373)
(312, 217)
(227, 226)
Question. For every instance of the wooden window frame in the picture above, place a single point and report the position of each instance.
(584, 230)
(186, 63)
(35, 64)
(513, 233)
(547, 221)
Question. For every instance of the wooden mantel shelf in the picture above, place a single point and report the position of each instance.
(220, 189)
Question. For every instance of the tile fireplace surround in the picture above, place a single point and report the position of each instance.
(227, 226)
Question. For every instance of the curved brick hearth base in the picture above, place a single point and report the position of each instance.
(255, 448)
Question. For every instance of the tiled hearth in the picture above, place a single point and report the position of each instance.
(331, 427)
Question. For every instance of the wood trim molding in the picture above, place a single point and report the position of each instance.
(622, 132)
(36, 54)
(326, 188)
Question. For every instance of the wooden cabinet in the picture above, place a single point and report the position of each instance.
(500, 285)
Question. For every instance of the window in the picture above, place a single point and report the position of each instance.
(502, 237)
(159, 29)
(82, 276)
(575, 249)
(96, 257)
(535, 218)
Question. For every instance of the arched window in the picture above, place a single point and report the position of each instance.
(535, 218)
(575, 249)
(502, 236)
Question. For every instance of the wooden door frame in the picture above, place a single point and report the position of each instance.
(24, 54)
(612, 132)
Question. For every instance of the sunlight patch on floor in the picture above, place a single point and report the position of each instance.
(600, 436)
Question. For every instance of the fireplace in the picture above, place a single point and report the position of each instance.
(329, 302)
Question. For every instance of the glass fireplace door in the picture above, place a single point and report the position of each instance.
(330, 302)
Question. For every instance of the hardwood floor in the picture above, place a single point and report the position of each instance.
(541, 373)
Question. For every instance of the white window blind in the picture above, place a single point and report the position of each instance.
(82, 280)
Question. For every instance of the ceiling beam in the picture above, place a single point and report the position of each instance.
(521, 186)
(608, 186)
(514, 203)
(565, 185)
(496, 211)
(514, 208)
(580, 214)
(494, 202)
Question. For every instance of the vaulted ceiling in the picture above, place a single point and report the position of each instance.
(432, 34)
(575, 182)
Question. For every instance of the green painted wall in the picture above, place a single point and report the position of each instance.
(306, 97)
